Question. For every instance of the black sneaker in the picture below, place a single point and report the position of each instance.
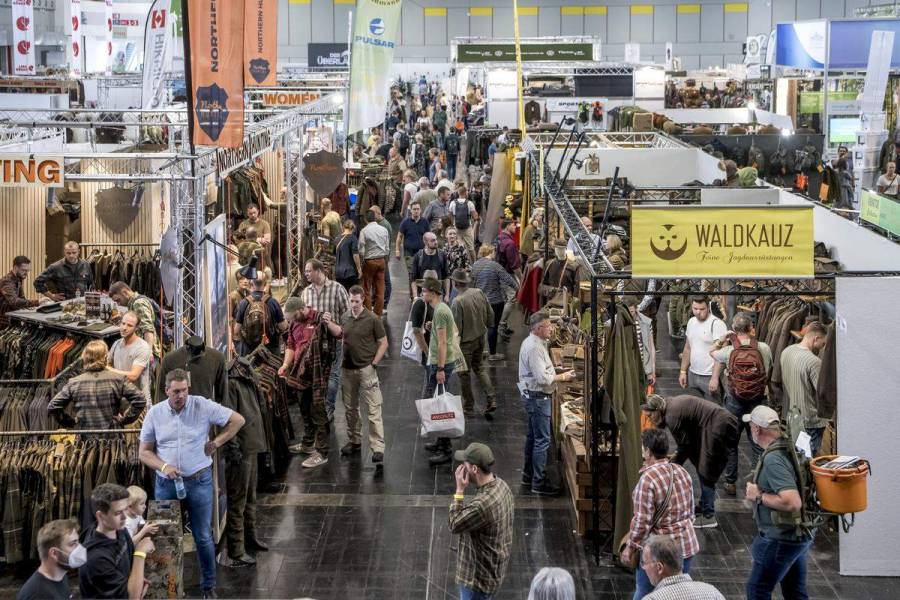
(526, 481)
(433, 446)
(545, 489)
(378, 457)
(351, 448)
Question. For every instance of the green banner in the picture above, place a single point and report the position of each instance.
(479, 53)
(880, 211)
(813, 102)
(376, 28)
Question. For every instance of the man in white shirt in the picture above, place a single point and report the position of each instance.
(889, 183)
(374, 247)
(572, 246)
(703, 329)
(537, 378)
(131, 356)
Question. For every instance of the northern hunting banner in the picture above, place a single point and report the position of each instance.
(31, 171)
(693, 242)
(477, 53)
(217, 48)
(375, 29)
(260, 41)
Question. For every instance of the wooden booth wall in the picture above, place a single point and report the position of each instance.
(22, 231)
(147, 225)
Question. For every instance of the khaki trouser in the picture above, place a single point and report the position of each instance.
(240, 484)
(360, 387)
(473, 353)
(467, 237)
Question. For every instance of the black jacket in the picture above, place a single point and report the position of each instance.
(63, 278)
(108, 566)
(208, 376)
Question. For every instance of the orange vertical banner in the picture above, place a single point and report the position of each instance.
(217, 50)
(260, 42)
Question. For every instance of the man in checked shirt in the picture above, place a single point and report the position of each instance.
(484, 524)
(663, 505)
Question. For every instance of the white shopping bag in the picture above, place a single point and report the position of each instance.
(441, 415)
(409, 347)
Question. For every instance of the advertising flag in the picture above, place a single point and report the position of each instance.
(75, 44)
(109, 37)
(156, 47)
(23, 37)
(260, 41)
(217, 46)
(375, 30)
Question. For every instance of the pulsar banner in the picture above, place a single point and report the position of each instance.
(23, 37)
(217, 46)
(375, 29)
(683, 242)
(260, 41)
(156, 47)
(75, 46)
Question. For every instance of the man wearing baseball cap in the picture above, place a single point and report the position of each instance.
(780, 548)
(484, 524)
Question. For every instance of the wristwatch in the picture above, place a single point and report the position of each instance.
(441, 369)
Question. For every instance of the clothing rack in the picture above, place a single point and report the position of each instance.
(51, 381)
(48, 432)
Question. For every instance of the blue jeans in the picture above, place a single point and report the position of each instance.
(739, 408)
(467, 593)
(642, 582)
(816, 433)
(707, 497)
(774, 562)
(199, 504)
(537, 442)
(334, 378)
(451, 165)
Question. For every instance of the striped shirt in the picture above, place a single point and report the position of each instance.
(682, 587)
(678, 520)
(799, 377)
(485, 528)
(332, 298)
(490, 278)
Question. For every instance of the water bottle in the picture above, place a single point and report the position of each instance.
(179, 488)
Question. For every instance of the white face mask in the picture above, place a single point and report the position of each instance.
(76, 558)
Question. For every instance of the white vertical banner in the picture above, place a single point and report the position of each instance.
(156, 49)
(75, 40)
(23, 37)
(371, 56)
(109, 36)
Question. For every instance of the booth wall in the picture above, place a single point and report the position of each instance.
(644, 167)
(867, 413)
(22, 231)
(712, 36)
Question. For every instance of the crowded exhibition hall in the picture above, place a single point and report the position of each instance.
(449, 299)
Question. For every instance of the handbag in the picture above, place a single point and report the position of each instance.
(657, 517)
(409, 347)
(442, 414)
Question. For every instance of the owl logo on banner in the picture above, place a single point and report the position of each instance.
(259, 68)
(212, 110)
(670, 238)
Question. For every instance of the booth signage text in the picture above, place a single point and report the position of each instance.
(693, 242)
(334, 56)
(880, 211)
(479, 53)
(229, 159)
(288, 98)
(31, 171)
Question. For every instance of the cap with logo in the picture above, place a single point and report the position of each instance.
(763, 416)
(477, 454)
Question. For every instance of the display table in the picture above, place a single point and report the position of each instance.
(30, 315)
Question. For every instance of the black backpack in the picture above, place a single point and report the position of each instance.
(451, 144)
(462, 219)
(404, 141)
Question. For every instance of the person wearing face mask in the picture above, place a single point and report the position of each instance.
(59, 551)
(114, 566)
(11, 295)
(66, 278)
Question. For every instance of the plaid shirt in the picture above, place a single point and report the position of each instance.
(485, 526)
(146, 319)
(11, 297)
(97, 395)
(333, 299)
(678, 520)
(682, 587)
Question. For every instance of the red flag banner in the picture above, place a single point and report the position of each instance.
(217, 45)
(260, 42)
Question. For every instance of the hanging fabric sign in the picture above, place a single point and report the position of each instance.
(74, 50)
(375, 29)
(23, 37)
(109, 37)
(156, 42)
(687, 241)
(217, 44)
(260, 41)
(31, 171)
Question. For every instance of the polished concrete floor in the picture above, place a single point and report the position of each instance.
(345, 531)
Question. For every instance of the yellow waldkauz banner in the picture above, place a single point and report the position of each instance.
(698, 241)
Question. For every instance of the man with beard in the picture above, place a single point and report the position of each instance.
(11, 295)
(66, 278)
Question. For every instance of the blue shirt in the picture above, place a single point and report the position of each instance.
(413, 233)
(180, 437)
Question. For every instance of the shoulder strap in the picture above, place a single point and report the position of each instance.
(657, 515)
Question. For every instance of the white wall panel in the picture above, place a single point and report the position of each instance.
(808, 9)
(503, 23)
(596, 25)
(832, 9)
(548, 20)
(664, 24)
(480, 26)
(436, 30)
(572, 25)
(284, 32)
(341, 21)
(642, 28)
(299, 32)
(759, 17)
(784, 11)
(322, 21)
(619, 24)
(736, 26)
(457, 23)
(528, 25)
(413, 18)
(712, 22)
(688, 27)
